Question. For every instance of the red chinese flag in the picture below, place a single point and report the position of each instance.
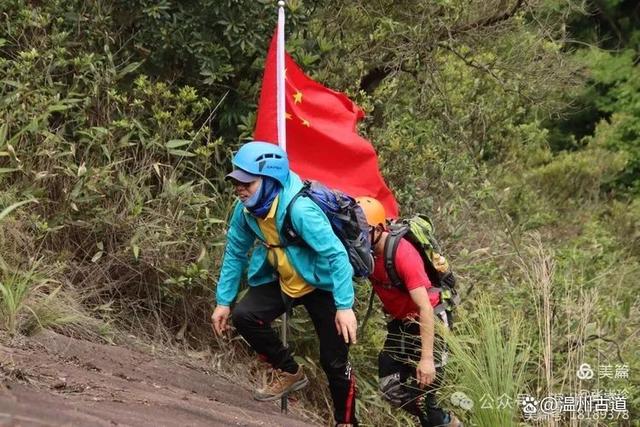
(322, 141)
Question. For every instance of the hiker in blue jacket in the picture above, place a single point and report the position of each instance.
(316, 274)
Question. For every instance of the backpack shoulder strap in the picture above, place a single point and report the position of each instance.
(290, 234)
(390, 249)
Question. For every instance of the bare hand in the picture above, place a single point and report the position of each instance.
(220, 318)
(347, 325)
(425, 372)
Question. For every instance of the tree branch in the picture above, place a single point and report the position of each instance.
(376, 75)
(471, 63)
(490, 21)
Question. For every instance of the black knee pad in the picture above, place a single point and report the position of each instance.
(394, 391)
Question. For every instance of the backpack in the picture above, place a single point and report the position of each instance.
(347, 221)
(420, 232)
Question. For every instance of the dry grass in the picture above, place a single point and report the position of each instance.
(565, 314)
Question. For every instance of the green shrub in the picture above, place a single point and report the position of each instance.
(122, 167)
(577, 176)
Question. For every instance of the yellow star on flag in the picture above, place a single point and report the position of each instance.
(297, 97)
(306, 123)
(288, 116)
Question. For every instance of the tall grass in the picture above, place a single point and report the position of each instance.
(539, 272)
(489, 354)
(6, 211)
(569, 329)
(22, 295)
(31, 300)
(14, 292)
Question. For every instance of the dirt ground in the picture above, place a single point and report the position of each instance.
(53, 380)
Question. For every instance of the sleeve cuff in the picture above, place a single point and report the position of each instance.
(223, 303)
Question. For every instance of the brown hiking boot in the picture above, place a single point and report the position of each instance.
(280, 383)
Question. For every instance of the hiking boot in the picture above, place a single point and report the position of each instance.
(279, 384)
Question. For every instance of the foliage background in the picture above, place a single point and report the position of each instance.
(514, 123)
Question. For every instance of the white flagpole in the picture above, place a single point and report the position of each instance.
(282, 142)
(280, 76)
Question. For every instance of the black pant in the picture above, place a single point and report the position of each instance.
(397, 371)
(252, 317)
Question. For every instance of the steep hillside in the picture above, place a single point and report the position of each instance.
(56, 380)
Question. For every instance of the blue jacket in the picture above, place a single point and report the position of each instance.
(322, 263)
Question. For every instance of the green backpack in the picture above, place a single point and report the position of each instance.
(420, 232)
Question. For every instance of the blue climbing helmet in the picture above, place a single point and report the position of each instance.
(263, 158)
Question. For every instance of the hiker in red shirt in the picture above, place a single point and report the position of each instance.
(410, 365)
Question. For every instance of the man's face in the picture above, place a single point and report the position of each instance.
(246, 190)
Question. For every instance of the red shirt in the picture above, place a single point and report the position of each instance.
(410, 268)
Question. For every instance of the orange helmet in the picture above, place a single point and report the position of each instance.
(373, 210)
